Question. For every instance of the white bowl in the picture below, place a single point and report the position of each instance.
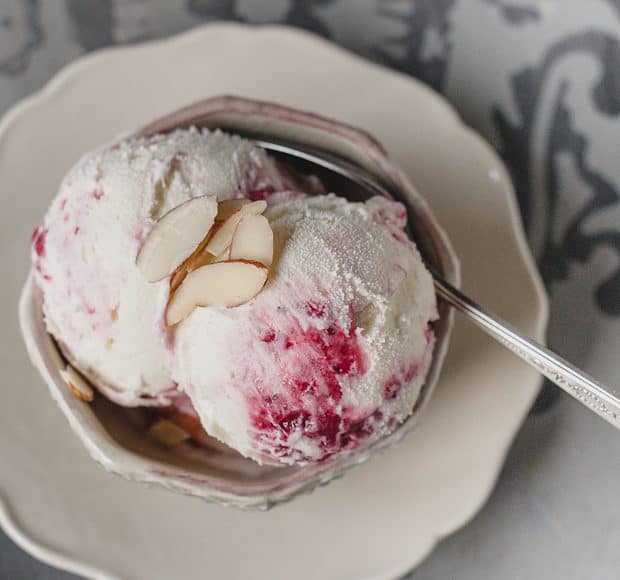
(230, 479)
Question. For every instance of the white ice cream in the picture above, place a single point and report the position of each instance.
(97, 305)
(333, 353)
(330, 355)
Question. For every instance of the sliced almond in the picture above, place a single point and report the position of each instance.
(204, 258)
(223, 257)
(77, 384)
(177, 278)
(221, 238)
(189, 423)
(253, 240)
(222, 284)
(228, 207)
(167, 432)
(199, 258)
(175, 236)
(196, 260)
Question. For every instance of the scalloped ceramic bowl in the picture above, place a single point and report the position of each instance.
(228, 478)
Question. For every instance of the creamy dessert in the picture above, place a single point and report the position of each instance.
(191, 274)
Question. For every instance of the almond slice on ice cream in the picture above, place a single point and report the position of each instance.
(167, 432)
(223, 284)
(77, 384)
(198, 259)
(228, 207)
(253, 240)
(175, 236)
(221, 238)
(223, 257)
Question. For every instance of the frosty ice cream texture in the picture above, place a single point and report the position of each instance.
(107, 318)
(329, 355)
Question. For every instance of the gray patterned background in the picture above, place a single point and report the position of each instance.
(540, 79)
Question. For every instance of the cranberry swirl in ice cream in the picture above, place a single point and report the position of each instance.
(301, 333)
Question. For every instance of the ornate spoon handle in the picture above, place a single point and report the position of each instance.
(565, 375)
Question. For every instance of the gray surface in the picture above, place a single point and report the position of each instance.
(541, 80)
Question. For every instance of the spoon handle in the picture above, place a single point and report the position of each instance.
(565, 375)
(568, 377)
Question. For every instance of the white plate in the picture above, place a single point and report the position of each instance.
(381, 519)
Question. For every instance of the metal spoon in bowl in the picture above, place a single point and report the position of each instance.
(565, 375)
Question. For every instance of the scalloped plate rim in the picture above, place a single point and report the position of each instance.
(9, 521)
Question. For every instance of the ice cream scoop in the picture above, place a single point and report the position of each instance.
(332, 353)
(103, 312)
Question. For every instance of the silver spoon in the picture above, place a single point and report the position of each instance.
(565, 375)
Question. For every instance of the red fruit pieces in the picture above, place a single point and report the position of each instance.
(259, 193)
(397, 381)
(392, 388)
(269, 336)
(315, 309)
(314, 362)
(38, 241)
